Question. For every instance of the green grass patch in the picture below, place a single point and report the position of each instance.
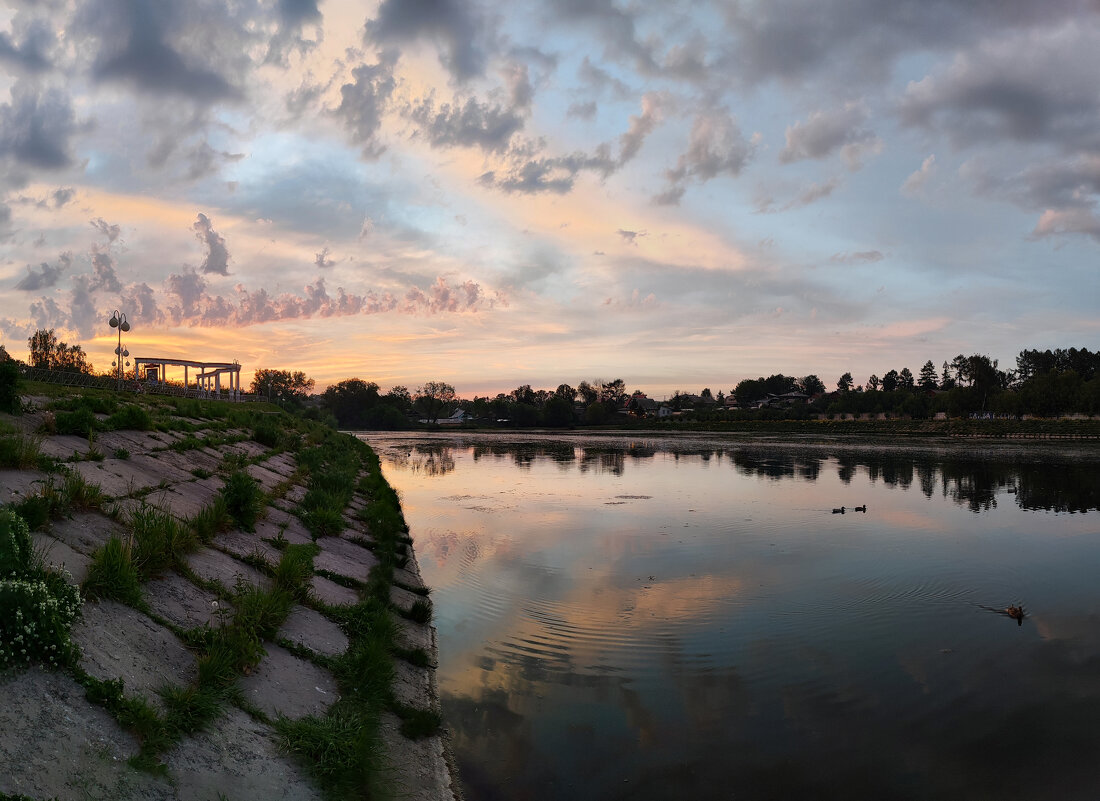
(130, 418)
(159, 541)
(243, 499)
(112, 574)
(19, 452)
(211, 520)
(81, 422)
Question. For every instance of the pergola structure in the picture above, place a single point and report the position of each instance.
(208, 379)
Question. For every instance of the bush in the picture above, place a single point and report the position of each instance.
(39, 606)
(18, 452)
(267, 434)
(81, 422)
(130, 417)
(243, 499)
(9, 387)
(159, 541)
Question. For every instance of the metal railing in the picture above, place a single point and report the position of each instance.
(74, 379)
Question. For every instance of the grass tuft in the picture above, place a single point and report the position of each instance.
(112, 574)
(243, 499)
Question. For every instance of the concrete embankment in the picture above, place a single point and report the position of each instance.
(145, 710)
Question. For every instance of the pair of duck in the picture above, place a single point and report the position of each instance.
(840, 511)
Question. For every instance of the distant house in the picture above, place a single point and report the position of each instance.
(458, 417)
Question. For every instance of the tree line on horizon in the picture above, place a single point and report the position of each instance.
(1044, 383)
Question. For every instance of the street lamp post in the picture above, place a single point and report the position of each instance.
(120, 322)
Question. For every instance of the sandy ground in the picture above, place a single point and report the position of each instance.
(55, 743)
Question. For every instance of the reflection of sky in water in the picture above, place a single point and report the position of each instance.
(662, 625)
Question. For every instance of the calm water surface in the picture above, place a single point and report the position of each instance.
(660, 618)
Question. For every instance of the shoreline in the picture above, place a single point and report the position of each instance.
(138, 704)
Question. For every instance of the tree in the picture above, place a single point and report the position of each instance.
(845, 382)
(811, 385)
(558, 411)
(928, 378)
(589, 394)
(71, 359)
(905, 379)
(43, 347)
(890, 381)
(432, 398)
(399, 398)
(524, 394)
(282, 385)
(873, 383)
(566, 392)
(351, 400)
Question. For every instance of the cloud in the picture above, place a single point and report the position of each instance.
(165, 48)
(34, 282)
(615, 26)
(716, 147)
(583, 111)
(914, 184)
(216, 259)
(601, 80)
(37, 126)
(26, 49)
(859, 257)
(1058, 222)
(364, 102)
(765, 204)
(62, 196)
(1037, 86)
(641, 125)
(630, 237)
(469, 124)
(826, 132)
(103, 272)
(450, 24)
(110, 231)
(322, 260)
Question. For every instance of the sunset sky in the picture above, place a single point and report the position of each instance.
(678, 194)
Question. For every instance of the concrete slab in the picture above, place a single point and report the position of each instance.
(62, 557)
(332, 593)
(266, 529)
(415, 635)
(246, 448)
(313, 630)
(55, 744)
(64, 446)
(237, 758)
(412, 686)
(293, 528)
(178, 600)
(282, 463)
(187, 499)
(159, 469)
(133, 441)
(403, 599)
(284, 684)
(344, 558)
(114, 476)
(187, 461)
(15, 485)
(216, 566)
(266, 478)
(417, 767)
(119, 642)
(242, 544)
(86, 531)
(295, 495)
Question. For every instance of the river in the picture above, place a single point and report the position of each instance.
(664, 618)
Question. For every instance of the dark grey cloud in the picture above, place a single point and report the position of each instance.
(62, 196)
(583, 111)
(35, 282)
(553, 174)
(452, 25)
(364, 102)
(216, 259)
(715, 147)
(184, 49)
(488, 126)
(854, 42)
(826, 132)
(858, 257)
(107, 229)
(103, 272)
(616, 28)
(37, 127)
(994, 93)
(27, 48)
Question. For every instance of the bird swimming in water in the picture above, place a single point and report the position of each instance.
(839, 511)
(1016, 613)
(860, 508)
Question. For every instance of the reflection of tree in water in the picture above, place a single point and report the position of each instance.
(429, 460)
(1059, 488)
(846, 468)
(976, 484)
(603, 460)
(526, 454)
(754, 464)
